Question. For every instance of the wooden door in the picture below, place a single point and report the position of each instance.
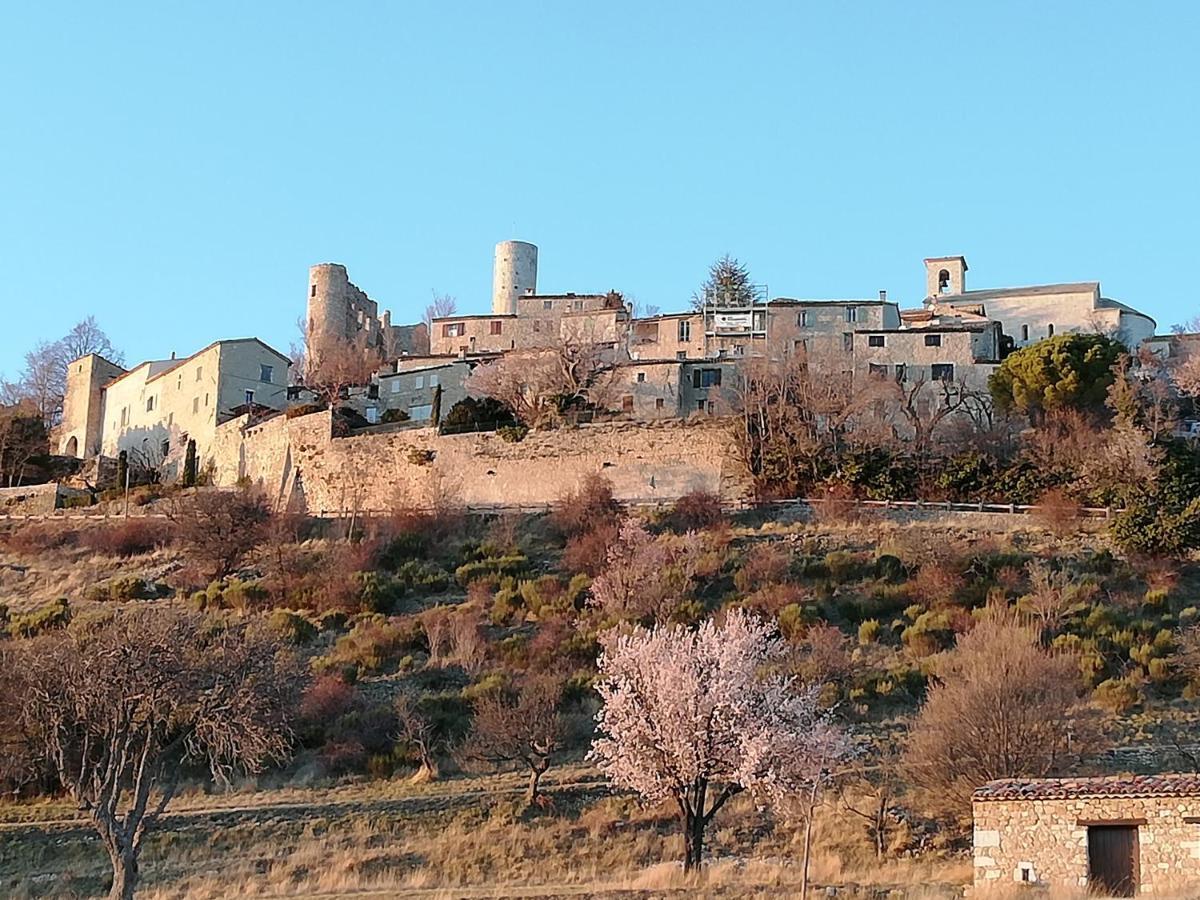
(1113, 860)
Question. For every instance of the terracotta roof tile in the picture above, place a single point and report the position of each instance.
(1182, 785)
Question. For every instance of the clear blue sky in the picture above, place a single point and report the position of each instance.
(175, 168)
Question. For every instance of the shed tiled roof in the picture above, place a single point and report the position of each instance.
(1184, 785)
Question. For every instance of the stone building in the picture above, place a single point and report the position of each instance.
(647, 389)
(1029, 314)
(412, 387)
(943, 352)
(152, 410)
(1120, 836)
(338, 310)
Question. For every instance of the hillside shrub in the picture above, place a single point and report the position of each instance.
(392, 416)
(304, 409)
(483, 568)
(130, 537)
(695, 511)
(512, 434)
(1117, 695)
(586, 507)
(587, 552)
(53, 615)
(291, 626)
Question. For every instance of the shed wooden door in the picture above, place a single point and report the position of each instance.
(1113, 860)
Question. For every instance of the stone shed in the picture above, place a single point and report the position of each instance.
(1117, 836)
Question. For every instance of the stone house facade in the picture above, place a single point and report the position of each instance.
(945, 353)
(411, 388)
(152, 410)
(672, 388)
(1121, 836)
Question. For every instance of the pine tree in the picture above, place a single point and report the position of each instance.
(728, 284)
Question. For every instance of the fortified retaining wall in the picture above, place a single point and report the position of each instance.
(298, 461)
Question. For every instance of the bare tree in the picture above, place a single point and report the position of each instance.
(799, 414)
(539, 386)
(22, 437)
(443, 305)
(697, 717)
(1052, 597)
(335, 366)
(1001, 707)
(116, 708)
(927, 406)
(219, 528)
(426, 737)
(523, 726)
(43, 380)
(645, 576)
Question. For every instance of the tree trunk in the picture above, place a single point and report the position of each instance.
(535, 778)
(125, 874)
(693, 841)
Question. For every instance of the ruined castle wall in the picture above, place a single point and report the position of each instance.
(298, 458)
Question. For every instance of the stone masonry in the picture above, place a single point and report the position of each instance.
(297, 461)
(1036, 831)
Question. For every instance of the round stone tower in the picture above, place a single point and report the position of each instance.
(328, 287)
(514, 274)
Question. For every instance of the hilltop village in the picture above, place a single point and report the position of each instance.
(239, 409)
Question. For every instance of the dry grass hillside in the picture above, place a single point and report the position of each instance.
(445, 610)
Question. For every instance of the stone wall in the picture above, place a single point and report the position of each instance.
(296, 460)
(1050, 837)
(36, 499)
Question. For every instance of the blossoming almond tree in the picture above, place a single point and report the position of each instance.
(698, 716)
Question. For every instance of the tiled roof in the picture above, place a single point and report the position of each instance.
(1185, 785)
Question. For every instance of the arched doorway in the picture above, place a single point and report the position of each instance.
(72, 448)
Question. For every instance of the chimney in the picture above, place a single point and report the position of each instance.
(883, 295)
(172, 354)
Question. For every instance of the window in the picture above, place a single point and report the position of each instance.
(421, 413)
(578, 304)
(942, 371)
(537, 326)
(249, 397)
(641, 377)
(627, 403)
(685, 330)
(658, 403)
(901, 373)
(419, 382)
(848, 342)
(179, 383)
(875, 340)
(433, 381)
(547, 304)
(1024, 332)
(802, 319)
(497, 326)
(1050, 330)
(199, 372)
(124, 416)
(706, 378)
(878, 371)
(453, 329)
(800, 346)
(264, 374)
(933, 340)
(312, 292)
(700, 405)
(372, 415)
(170, 419)
(395, 385)
(851, 313)
(944, 281)
(195, 405)
(149, 404)
(681, 354)
(206, 401)
(165, 448)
